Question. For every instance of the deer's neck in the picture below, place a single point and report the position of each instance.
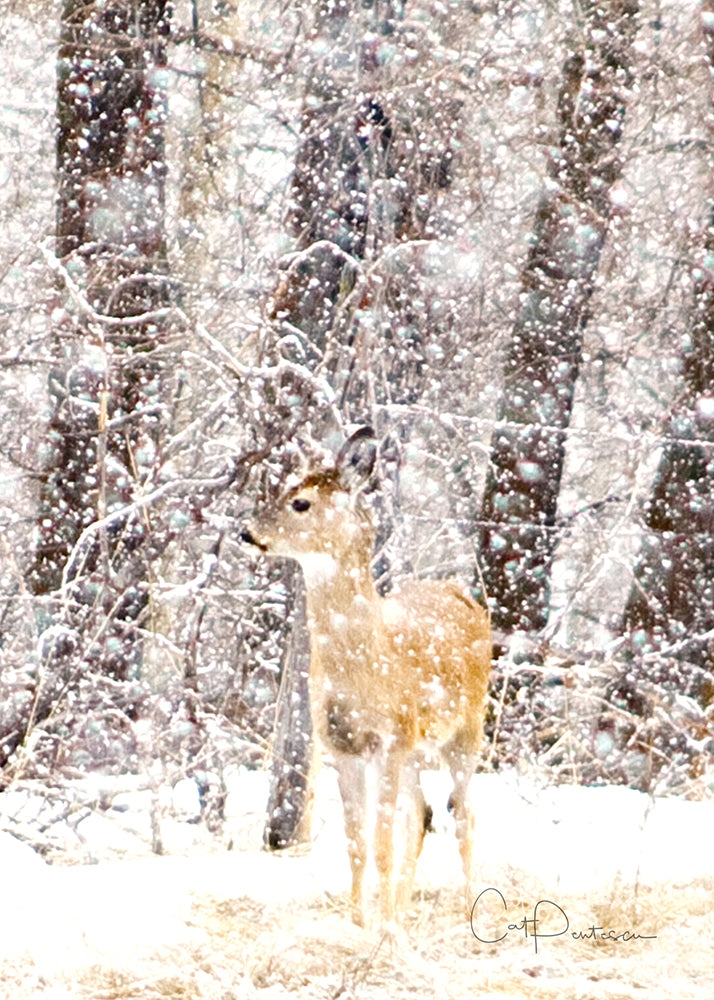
(342, 610)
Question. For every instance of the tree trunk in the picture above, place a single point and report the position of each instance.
(108, 393)
(671, 603)
(289, 811)
(544, 353)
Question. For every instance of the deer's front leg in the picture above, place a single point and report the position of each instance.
(352, 784)
(384, 835)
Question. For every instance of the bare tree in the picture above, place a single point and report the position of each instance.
(670, 609)
(544, 352)
(109, 387)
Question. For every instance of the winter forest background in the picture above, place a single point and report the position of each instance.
(230, 233)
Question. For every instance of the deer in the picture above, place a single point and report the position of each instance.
(390, 676)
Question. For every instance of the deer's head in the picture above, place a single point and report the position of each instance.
(323, 515)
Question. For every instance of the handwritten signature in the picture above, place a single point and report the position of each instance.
(545, 911)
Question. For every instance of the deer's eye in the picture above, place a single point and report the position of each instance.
(300, 504)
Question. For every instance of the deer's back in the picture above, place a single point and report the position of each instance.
(437, 647)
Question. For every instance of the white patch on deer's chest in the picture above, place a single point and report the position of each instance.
(319, 568)
(394, 614)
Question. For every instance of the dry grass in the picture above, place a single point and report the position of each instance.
(242, 949)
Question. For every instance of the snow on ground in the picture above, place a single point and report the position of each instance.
(564, 840)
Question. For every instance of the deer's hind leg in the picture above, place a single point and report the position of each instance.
(461, 754)
(417, 821)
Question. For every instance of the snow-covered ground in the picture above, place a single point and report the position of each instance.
(566, 840)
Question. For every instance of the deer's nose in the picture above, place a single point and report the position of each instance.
(249, 538)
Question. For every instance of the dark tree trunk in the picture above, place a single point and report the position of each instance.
(372, 156)
(544, 353)
(107, 394)
(671, 603)
(291, 788)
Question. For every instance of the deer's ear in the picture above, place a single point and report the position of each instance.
(355, 461)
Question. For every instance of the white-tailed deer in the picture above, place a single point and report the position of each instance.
(387, 674)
